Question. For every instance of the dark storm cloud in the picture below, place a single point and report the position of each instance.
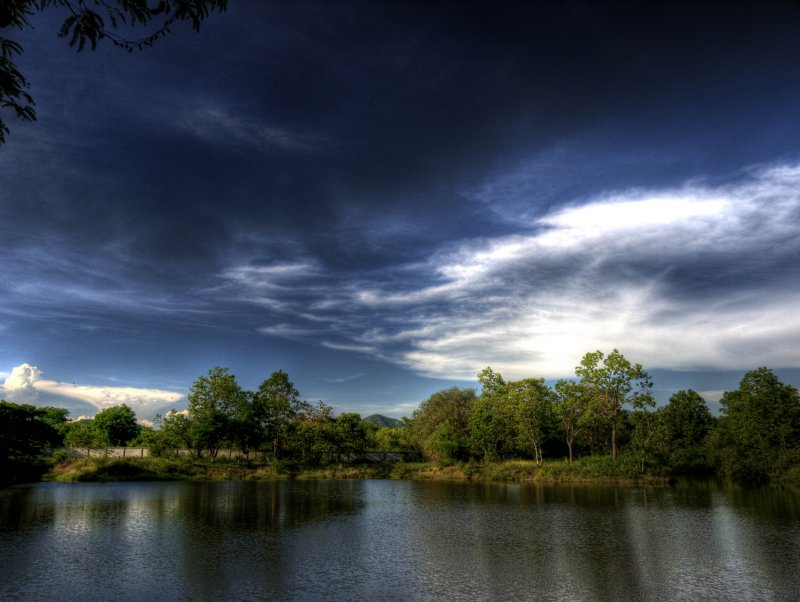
(434, 184)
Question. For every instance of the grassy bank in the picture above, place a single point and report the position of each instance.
(157, 469)
(584, 470)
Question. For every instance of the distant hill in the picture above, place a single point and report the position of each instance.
(392, 423)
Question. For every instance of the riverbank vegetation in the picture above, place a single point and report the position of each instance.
(596, 469)
(602, 425)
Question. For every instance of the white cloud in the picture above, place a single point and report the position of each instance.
(712, 396)
(347, 347)
(216, 125)
(22, 378)
(698, 277)
(26, 385)
(345, 379)
(617, 215)
(288, 331)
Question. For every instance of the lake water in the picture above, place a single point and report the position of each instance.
(397, 540)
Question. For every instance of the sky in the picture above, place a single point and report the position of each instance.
(383, 198)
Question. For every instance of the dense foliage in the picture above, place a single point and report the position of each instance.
(114, 426)
(26, 432)
(608, 411)
(273, 419)
(603, 422)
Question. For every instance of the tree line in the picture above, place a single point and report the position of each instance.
(607, 410)
(273, 419)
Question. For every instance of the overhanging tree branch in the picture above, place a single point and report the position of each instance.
(89, 21)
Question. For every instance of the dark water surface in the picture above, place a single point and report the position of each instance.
(397, 540)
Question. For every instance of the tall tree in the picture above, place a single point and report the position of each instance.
(350, 433)
(492, 426)
(492, 421)
(649, 436)
(532, 403)
(763, 418)
(441, 424)
(88, 22)
(116, 425)
(315, 433)
(213, 401)
(687, 422)
(570, 407)
(277, 406)
(611, 382)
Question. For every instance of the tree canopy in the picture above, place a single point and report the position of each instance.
(760, 426)
(117, 425)
(214, 400)
(26, 432)
(611, 382)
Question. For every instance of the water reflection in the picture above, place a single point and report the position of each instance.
(397, 541)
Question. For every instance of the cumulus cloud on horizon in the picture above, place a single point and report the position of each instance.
(692, 278)
(25, 385)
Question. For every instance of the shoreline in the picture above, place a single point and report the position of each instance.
(161, 469)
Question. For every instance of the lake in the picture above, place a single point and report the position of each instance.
(397, 540)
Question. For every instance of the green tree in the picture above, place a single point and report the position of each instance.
(648, 437)
(177, 429)
(58, 418)
(610, 383)
(213, 402)
(687, 422)
(441, 424)
(88, 22)
(245, 427)
(491, 382)
(116, 425)
(350, 434)
(763, 420)
(314, 433)
(492, 426)
(25, 435)
(155, 441)
(83, 433)
(492, 421)
(278, 408)
(387, 439)
(532, 407)
(570, 406)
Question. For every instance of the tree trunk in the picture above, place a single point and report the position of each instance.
(569, 447)
(614, 441)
